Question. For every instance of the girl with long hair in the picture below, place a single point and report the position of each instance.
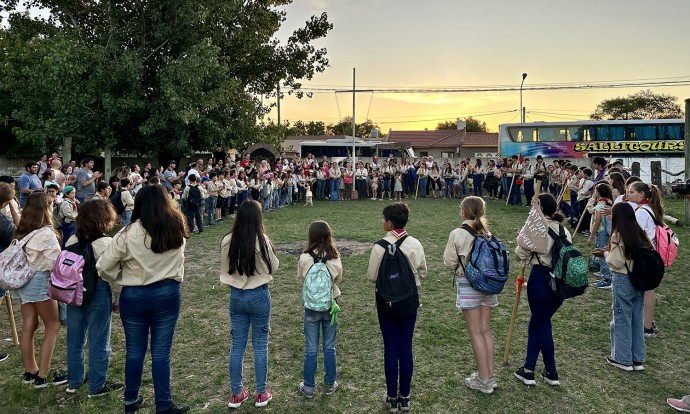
(92, 319)
(476, 306)
(146, 258)
(627, 325)
(617, 181)
(543, 302)
(320, 248)
(600, 230)
(42, 248)
(248, 262)
(649, 213)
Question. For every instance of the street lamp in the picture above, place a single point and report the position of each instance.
(522, 109)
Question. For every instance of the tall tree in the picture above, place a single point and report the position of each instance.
(156, 75)
(344, 127)
(640, 105)
(473, 125)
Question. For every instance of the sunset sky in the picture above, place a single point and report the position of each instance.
(454, 44)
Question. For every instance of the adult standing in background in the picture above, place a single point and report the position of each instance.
(170, 175)
(86, 180)
(147, 259)
(29, 182)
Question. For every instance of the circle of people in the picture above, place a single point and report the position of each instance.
(142, 266)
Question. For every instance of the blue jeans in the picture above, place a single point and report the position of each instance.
(335, 187)
(194, 214)
(397, 351)
(602, 242)
(2, 292)
(150, 309)
(211, 208)
(314, 323)
(68, 230)
(574, 209)
(242, 197)
(94, 319)
(361, 189)
(543, 304)
(126, 217)
(463, 190)
(251, 307)
(320, 189)
(448, 190)
(505, 184)
(515, 195)
(529, 191)
(478, 183)
(627, 323)
(422, 186)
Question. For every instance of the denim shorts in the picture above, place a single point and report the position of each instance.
(36, 290)
(469, 298)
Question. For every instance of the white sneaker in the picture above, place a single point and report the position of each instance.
(473, 382)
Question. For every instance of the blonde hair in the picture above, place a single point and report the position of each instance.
(473, 208)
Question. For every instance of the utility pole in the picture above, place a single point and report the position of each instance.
(354, 154)
(278, 94)
(687, 156)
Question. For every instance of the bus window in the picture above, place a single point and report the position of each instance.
(577, 134)
(522, 134)
(610, 133)
(551, 134)
(671, 132)
(645, 133)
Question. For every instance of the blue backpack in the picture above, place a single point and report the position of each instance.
(317, 290)
(487, 267)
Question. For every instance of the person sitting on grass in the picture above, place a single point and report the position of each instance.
(397, 330)
(476, 306)
(320, 247)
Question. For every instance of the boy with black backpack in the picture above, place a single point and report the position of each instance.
(194, 196)
(396, 265)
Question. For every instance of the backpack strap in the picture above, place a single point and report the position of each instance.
(316, 258)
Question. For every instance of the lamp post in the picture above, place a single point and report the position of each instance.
(522, 108)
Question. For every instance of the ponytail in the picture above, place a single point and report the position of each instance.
(472, 208)
(656, 204)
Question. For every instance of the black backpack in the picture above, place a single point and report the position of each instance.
(116, 201)
(194, 196)
(89, 274)
(648, 269)
(396, 287)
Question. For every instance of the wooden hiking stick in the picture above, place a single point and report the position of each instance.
(519, 283)
(417, 190)
(10, 312)
(511, 190)
(565, 188)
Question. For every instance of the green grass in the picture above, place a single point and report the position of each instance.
(441, 344)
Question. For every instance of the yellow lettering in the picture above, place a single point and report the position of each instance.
(580, 147)
(657, 146)
(634, 146)
(645, 146)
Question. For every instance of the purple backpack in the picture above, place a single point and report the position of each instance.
(66, 281)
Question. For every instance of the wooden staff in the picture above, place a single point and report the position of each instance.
(511, 190)
(417, 190)
(565, 188)
(10, 312)
(519, 284)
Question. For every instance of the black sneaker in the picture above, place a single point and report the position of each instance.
(619, 365)
(550, 378)
(108, 387)
(638, 366)
(391, 403)
(59, 378)
(40, 382)
(174, 410)
(133, 407)
(527, 378)
(29, 378)
(3, 356)
(648, 332)
(404, 403)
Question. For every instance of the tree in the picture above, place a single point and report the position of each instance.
(640, 105)
(473, 125)
(154, 76)
(344, 127)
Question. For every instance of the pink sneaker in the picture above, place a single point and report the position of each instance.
(237, 399)
(261, 400)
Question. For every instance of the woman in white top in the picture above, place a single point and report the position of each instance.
(42, 248)
(649, 213)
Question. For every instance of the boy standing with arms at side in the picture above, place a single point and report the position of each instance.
(397, 330)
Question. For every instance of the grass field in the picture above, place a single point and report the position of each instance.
(443, 357)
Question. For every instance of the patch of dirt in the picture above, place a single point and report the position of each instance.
(345, 246)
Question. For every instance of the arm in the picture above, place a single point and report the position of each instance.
(374, 263)
(450, 253)
(108, 264)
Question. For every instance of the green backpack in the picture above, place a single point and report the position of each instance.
(569, 268)
(317, 290)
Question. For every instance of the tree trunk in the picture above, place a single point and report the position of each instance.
(66, 150)
(108, 159)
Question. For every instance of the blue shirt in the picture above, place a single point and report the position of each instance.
(27, 181)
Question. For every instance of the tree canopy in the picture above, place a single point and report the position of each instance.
(473, 125)
(640, 105)
(150, 77)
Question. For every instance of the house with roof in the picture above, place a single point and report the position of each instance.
(457, 144)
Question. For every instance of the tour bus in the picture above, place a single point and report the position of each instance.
(338, 149)
(642, 141)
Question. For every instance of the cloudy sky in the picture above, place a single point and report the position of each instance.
(435, 44)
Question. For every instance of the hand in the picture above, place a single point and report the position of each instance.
(115, 308)
(97, 175)
(590, 240)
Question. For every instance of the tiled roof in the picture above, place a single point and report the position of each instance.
(444, 139)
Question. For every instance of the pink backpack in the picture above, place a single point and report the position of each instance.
(66, 282)
(666, 244)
